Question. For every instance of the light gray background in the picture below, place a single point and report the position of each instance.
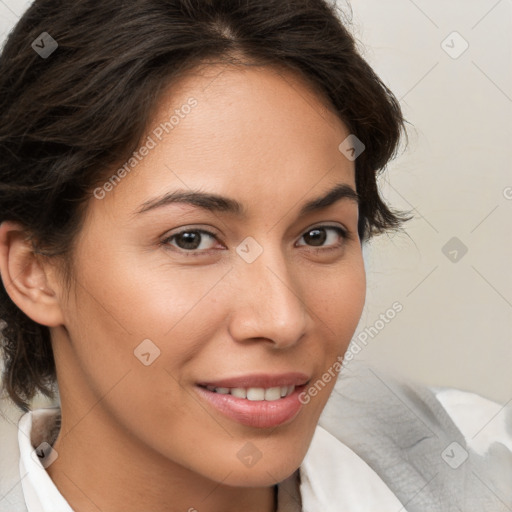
(455, 328)
(456, 325)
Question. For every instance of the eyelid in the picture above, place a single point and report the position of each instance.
(342, 228)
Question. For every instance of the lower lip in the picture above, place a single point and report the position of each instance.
(261, 413)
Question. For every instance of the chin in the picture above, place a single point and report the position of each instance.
(253, 467)
(264, 475)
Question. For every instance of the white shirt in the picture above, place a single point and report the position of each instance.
(331, 477)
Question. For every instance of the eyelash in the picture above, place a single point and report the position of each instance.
(344, 234)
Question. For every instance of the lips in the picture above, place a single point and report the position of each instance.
(261, 400)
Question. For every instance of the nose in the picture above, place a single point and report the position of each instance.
(267, 302)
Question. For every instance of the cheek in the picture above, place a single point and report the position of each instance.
(138, 330)
(337, 302)
(340, 308)
(118, 324)
(127, 302)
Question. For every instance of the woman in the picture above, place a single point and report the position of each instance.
(186, 187)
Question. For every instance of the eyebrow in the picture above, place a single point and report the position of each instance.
(217, 203)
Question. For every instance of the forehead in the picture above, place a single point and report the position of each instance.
(243, 105)
(255, 133)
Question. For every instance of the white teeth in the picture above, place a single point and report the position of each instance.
(239, 392)
(273, 394)
(256, 394)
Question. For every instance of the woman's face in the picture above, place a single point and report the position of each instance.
(171, 302)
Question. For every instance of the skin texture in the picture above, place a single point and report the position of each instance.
(138, 437)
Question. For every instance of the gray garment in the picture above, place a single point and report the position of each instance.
(399, 429)
(405, 435)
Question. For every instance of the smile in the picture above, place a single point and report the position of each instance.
(256, 394)
(261, 401)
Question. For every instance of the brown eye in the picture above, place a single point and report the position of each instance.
(190, 240)
(317, 236)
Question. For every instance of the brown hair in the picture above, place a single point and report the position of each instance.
(67, 118)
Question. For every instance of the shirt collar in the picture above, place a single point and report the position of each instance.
(35, 429)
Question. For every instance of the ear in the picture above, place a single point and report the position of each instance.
(26, 278)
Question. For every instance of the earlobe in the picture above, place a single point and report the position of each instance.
(25, 277)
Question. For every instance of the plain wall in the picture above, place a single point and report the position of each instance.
(455, 326)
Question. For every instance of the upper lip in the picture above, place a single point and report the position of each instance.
(260, 380)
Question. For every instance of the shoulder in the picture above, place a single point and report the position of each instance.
(422, 442)
(482, 422)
